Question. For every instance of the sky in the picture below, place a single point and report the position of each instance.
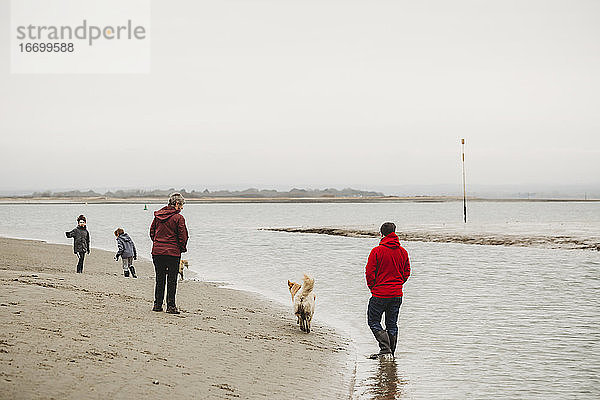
(282, 94)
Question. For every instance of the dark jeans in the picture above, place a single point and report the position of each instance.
(166, 267)
(391, 308)
(81, 256)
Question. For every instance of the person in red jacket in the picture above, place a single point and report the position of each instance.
(169, 239)
(387, 269)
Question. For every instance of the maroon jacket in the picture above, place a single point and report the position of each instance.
(388, 268)
(168, 233)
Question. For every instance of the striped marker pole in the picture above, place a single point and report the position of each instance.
(462, 141)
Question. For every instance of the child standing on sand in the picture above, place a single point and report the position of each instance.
(81, 241)
(126, 251)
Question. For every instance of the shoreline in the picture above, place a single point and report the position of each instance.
(279, 200)
(189, 273)
(93, 335)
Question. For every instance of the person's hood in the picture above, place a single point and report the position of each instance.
(165, 213)
(391, 241)
(124, 237)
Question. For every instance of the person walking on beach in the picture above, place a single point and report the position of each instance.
(126, 251)
(387, 269)
(169, 239)
(81, 241)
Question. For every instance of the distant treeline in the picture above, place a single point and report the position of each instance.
(248, 193)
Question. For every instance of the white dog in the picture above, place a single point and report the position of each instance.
(304, 302)
(182, 264)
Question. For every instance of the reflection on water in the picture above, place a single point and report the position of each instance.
(385, 383)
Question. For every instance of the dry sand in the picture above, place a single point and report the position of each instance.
(93, 335)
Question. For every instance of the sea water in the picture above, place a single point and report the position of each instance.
(476, 321)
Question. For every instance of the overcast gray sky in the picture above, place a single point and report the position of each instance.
(321, 93)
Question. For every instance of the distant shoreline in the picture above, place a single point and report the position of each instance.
(252, 200)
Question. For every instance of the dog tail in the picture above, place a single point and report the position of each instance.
(307, 287)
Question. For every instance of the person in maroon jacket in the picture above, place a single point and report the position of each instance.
(387, 269)
(169, 239)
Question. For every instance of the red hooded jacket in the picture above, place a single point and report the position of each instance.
(168, 233)
(388, 268)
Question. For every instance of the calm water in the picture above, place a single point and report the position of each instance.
(476, 321)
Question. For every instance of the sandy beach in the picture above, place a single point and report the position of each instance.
(93, 335)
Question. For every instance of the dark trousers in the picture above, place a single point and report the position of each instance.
(391, 308)
(81, 256)
(166, 267)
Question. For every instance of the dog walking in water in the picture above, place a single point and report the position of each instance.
(304, 302)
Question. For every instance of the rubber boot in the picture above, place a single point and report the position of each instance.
(132, 271)
(393, 341)
(126, 273)
(384, 345)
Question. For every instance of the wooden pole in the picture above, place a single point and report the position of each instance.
(462, 141)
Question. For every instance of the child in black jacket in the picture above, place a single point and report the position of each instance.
(81, 241)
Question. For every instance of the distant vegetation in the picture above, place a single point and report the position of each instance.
(248, 193)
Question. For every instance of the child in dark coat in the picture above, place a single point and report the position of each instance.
(81, 241)
(126, 251)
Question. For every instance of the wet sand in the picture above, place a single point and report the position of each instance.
(93, 335)
(547, 241)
